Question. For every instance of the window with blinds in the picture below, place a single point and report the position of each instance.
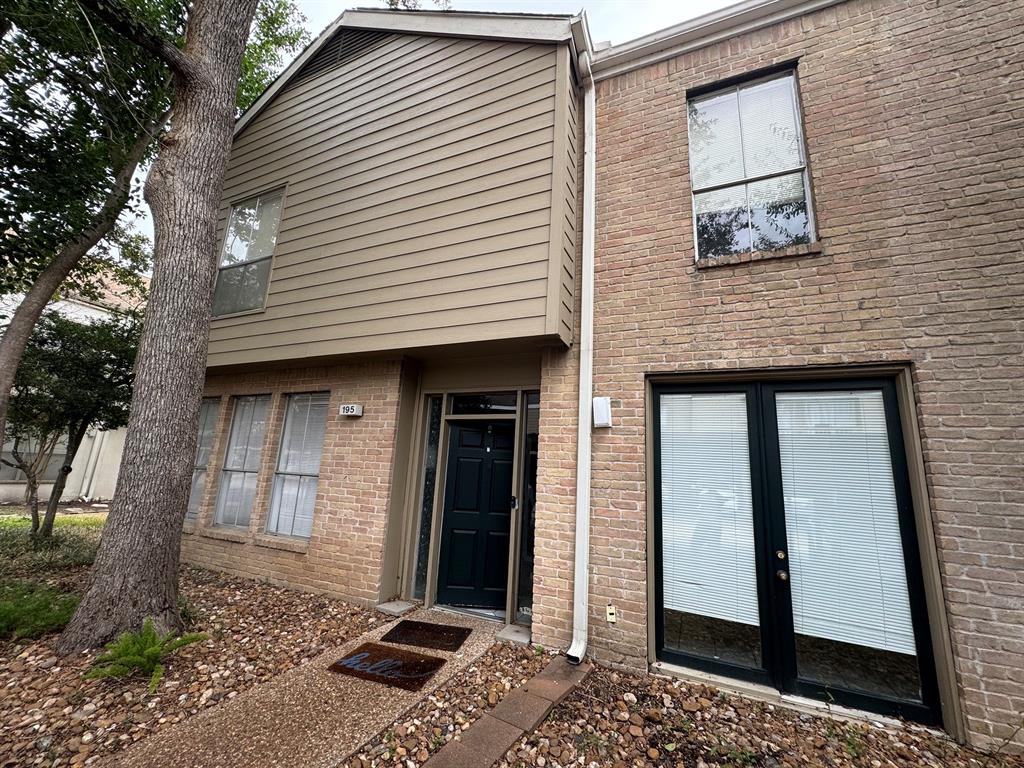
(204, 444)
(849, 580)
(298, 465)
(244, 266)
(748, 168)
(706, 507)
(237, 490)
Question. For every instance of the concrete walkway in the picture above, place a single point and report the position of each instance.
(307, 717)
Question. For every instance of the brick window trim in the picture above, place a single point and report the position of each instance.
(808, 249)
(287, 543)
(225, 533)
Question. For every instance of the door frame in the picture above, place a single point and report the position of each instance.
(415, 486)
(900, 375)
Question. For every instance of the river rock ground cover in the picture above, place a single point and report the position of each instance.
(622, 721)
(50, 715)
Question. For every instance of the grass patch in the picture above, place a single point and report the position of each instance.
(72, 545)
(32, 610)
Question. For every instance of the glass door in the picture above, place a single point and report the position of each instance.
(785, 542)
(707, 537)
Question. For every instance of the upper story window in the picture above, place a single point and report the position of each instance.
(244, 265)
(748, 168)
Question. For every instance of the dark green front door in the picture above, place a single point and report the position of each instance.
(473, 567)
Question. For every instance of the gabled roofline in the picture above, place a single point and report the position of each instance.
(699, 32)
(535, 28)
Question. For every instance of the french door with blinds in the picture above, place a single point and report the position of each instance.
(785, 544)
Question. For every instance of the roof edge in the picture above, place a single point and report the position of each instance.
(698, 33)
(486, 26)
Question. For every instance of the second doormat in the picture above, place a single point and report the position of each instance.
(388, 665)
(440, 637)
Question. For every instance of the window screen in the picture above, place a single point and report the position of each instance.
(748, 170)
(245, 255)
(207, 422)
(298, 465)
(242, 461)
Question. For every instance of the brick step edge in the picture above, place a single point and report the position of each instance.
(487, 740)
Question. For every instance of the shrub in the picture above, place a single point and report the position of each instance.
(140, 653)
(30, 610)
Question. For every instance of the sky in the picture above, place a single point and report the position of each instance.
(615, 21)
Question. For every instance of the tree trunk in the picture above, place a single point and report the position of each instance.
(23, 321)
(77, 434)
(32, 502)
(135, 574)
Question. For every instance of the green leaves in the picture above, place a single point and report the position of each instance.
(277, 34)
(140, 653)
(31, 610)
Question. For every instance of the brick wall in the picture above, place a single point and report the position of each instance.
(914, 121)
(343, 555)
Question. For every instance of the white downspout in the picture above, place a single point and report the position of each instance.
(581, 574)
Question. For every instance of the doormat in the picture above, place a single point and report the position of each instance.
(388, 665)
(440, 637)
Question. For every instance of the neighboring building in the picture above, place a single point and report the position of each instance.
(98, 458)
(807, 316)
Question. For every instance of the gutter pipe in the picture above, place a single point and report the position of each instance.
(581, 575)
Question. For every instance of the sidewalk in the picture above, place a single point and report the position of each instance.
(308, 717)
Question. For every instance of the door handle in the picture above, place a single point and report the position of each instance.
(782, 575)
(515, 503)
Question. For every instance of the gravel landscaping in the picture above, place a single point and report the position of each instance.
(622, 721)
(450, 709)
(50, 715)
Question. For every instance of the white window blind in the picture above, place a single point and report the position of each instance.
(244, 265)
(747, 168)
(846, 558)
(706, 507)
(242, 461)
(207, 421)
(298, 465)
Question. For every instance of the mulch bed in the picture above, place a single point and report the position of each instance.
(622, 721)
(50, 715)
(450, 709)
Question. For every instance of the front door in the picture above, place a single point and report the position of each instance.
(785, 542)
(473, 565)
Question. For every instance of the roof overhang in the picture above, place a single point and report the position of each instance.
(516, 27)
(699, 32)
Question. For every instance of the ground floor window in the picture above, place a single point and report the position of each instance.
(785, 542)
(298, 465)
(204, 444)
(237, 492)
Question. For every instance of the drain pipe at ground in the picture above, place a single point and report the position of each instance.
(581, 576)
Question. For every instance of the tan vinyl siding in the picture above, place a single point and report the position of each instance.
(426, 202)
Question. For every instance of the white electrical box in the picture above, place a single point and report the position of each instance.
(351, 409)
(602, 412)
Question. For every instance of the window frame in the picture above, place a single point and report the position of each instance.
(281, 190)
(279, 473)
(192, 516)
(224, 469)
(735, 85)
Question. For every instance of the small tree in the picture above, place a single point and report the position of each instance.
(73, 377)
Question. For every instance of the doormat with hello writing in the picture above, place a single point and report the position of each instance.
(388, 665)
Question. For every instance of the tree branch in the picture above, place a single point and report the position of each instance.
(121, 19)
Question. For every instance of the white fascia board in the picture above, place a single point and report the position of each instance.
(488, 26)
(485, 26)
(699, 32)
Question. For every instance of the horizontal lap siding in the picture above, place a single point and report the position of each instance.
(419, 202)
